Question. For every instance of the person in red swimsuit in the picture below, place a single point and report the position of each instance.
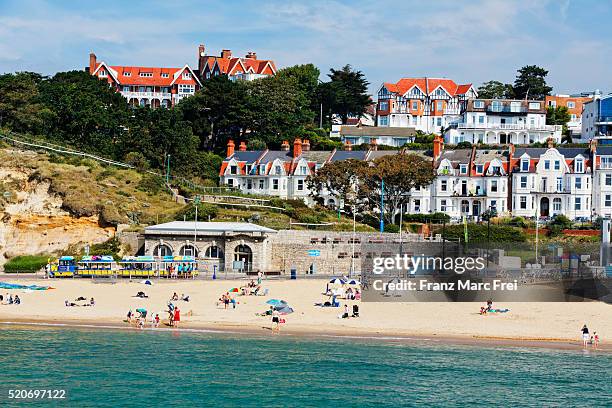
(177, 317)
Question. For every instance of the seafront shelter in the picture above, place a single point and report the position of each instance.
(218, 246)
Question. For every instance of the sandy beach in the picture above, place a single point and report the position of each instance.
(532, 324)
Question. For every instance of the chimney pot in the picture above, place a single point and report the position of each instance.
(230, 148)
(551, 143)
(374, 144)
(306, 145)
(242, 146)
(348, 146)
(285, 146)
(438, 146)
(297, 147)
(226, 53)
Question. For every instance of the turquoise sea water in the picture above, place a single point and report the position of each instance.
(119, 368)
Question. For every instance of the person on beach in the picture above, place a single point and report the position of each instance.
(129, 316)
(17, 300)
(175, 297)
(595, 339)
(585, 335)
(156, 320)
(92, 302)
(275, 321)
(259, 277)
(177, 317)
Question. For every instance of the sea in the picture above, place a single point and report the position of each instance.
(163, 368)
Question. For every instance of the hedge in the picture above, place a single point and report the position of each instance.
(26, 263)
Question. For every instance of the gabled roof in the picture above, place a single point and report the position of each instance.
(427, 86)
(233, 65)
(130, 75)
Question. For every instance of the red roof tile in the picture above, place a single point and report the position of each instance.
(427, 85)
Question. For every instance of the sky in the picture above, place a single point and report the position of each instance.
(468, 41)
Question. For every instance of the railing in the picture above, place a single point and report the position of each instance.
(159, 95)
(506, 109)
(605, 119)
(508, 126)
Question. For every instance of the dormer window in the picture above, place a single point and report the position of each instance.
(186, 75)
(495, 170)
(146, 74)
(127, 73)
(234, 169)
(463, 168)
(579, 166)
(164, 75)
(525, 165)
(102, 73)
(497, 106)
(262, 169)
(479, 168)
(479, 104)
(534, 105)
(304, 169)
(277, 169)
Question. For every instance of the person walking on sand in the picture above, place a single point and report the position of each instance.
(177, 317)
(156, 320)
(595, 339)
(129, 316)
(585, 335)
(275, 321)
(259, 278)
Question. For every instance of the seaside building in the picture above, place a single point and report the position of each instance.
(389, 136)
(501, 122)
(469, 181)
(551, 181)
(245, 68)
(602, 179)
(425, 104)
(147, 86)
(597, 119)
(574, 104)
(219, 245)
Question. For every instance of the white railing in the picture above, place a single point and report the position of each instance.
(152, 95)
(508, 126)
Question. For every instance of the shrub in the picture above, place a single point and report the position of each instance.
(480, 233)
(437, 217)
(205, 210)
(392, 228)
(110, 247)
(151, 184)
(138, 160)
(25, 263)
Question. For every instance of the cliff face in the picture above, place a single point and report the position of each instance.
(33, 221)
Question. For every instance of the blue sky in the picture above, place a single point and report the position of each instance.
(468, 41)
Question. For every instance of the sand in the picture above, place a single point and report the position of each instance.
(526, 323)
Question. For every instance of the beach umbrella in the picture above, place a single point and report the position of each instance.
(234, 290)
(284, 309)
(146, 282)
(337, 281)
(354, 282)
(276, 302)
(141, 310)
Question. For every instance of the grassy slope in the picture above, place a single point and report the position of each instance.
(89, 188)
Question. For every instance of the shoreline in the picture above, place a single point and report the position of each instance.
(309, 333)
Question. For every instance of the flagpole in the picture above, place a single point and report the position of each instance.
(537, 233)
(382, 205)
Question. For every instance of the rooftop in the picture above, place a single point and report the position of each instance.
(180, 227)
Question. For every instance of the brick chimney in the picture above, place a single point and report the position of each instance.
(285, 146)
(374, 144)
(230, 148)
(93, 61)
(551, 143)
(242, 146)
(305, 145)
(297, 147)
(438, 146)
(593, 146)
(201, 50)
(348, 146)
(251, 55)
(226, 53)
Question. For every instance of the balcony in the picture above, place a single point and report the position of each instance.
(604, 120)
(149, 95)
(507, 109)
(508, 126)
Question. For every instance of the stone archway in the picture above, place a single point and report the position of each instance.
(544, 207)
(244, 254)
(162, 250)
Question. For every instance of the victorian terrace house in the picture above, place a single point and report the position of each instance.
(245, 68)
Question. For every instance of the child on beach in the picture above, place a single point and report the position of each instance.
(595, 339)
(177, 317)
(156, 320)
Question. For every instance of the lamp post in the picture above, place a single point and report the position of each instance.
(168, 168)
(353, 247)
(382, 205)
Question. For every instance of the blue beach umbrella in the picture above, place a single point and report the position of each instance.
(354, 282)
(337, 281)
(284, 309)
(276, 302)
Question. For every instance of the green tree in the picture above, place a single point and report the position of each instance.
(559, 116)
(339, 179)
(347, 93)
(217, 112)
(400, 173)
(531, 83)
(495, 90)
(85, 112)
(20, 109)
(307, 77)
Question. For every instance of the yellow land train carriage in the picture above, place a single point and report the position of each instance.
(145, 266)
(96, 266)
(178, 267)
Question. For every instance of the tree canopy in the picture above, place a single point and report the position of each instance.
(530, 83)
(495, 90)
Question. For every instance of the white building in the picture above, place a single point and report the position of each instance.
(425, 104)
(501, 121)
(597, 119)
(551, 181)
(602, 181)
(396, 137)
